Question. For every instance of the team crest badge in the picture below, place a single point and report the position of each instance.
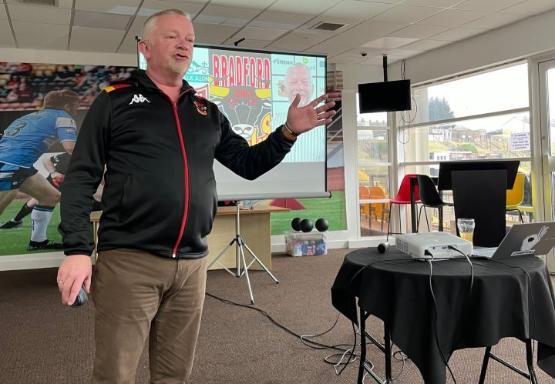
(201, 107)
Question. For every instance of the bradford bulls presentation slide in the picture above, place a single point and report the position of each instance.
(254, 91)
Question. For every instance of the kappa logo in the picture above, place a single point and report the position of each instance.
(138, 99)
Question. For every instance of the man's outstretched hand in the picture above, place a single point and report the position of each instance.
(303, 119)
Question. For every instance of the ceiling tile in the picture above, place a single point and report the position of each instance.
(452, 18)
(267, 34)
(355, 37)
(192, 8)
(258, 4)
(494, 20)
(344, 59)
(530, 7)
(101, 20)
(253, 44)
(39, 14)
(60, 3)
(41, 36)
(425, 45)
(94, 39)
(123, 7)
(486, 6)
(433, 3)
(129, 45)
(457, 34)
(345, 21)
(6, 38)
(388, 42)
(357, 9)
(300, 40)
(406, 14)
(212, 34)
(418, 31)
(280, 20)
(308, 7)
(136, 28)
(224, 15)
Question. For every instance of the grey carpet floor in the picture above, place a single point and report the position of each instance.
(42, 341)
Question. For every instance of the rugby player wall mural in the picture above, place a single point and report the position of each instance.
(41, 108)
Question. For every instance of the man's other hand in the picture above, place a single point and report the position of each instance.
(74, 272)
(302, 119)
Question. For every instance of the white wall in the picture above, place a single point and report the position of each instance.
(18, 55)
(522, 39)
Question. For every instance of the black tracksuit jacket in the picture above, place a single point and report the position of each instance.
(160, 191)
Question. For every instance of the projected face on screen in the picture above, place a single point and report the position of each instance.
(298, 81)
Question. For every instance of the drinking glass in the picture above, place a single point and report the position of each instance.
(466, 228)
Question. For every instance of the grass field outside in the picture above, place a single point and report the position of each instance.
(332, 209)
(14, 241)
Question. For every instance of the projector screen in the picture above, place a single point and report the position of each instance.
(253, 89)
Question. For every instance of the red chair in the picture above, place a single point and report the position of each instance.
(403, 198)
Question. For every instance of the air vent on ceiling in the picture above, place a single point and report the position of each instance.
(51, 3)
(328, 26)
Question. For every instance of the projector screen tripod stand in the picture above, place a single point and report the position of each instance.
(242, 267)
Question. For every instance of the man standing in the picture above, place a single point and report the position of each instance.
(158, 141)
(23, 142)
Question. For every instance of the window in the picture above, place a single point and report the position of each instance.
(374, 169)
(479, 116)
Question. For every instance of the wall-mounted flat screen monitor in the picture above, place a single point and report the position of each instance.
(384, 96)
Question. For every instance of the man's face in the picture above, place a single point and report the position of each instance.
(168, 48)
(297, 81)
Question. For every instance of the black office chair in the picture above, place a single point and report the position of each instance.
(430, 198)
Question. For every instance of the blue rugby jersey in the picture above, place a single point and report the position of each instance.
(31, 135)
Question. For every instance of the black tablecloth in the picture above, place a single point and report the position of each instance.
(510, 298)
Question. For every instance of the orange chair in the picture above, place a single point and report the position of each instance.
(378, 209)
(515, 195)
(402, 198)
(364, 194)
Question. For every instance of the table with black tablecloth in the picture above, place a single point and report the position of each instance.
(511, 297)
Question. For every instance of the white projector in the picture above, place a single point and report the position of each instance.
(433, 245)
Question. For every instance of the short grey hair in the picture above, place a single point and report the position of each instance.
(149, 23)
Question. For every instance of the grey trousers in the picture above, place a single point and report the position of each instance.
(139, 295)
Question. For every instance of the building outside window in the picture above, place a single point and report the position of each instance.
(479, 116)
(374, 171)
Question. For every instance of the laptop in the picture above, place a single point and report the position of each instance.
(522, 239)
